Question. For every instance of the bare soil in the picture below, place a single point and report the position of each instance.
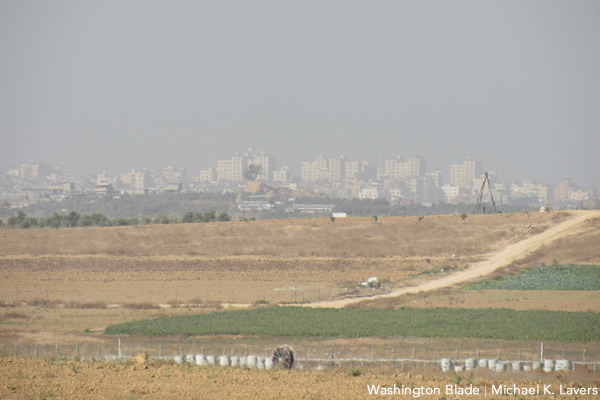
(42, 379)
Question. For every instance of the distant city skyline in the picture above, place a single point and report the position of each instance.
(118, 85)
(296, 170)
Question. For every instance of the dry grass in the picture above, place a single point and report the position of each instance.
(435, 236)
(237, 262)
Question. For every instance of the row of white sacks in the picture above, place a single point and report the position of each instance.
(227, 361)
(501, 366)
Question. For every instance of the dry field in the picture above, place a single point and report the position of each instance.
(42, 379)
(64, 286)
(579, 248)
(239, 262)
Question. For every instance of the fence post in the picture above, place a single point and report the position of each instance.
(478, 354)
(57, 353)
(333, 357)
(542, 352)
(120, 353)
(160, 351)
(414, 355)
(583, 355)
(393, 359)
(35, 351)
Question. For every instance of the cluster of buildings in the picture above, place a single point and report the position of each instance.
(398, 180)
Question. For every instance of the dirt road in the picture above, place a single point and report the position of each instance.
(500, 259)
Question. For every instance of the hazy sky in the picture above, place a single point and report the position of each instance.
(117, 85)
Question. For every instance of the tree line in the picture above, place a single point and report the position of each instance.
(73, 219)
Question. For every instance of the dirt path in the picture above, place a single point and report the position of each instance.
(500, 259)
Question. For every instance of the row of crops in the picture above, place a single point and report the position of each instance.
(555, 277)
(437, 322)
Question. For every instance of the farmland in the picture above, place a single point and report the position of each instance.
(60, 289)
(306, 322)
(244, 262)
(555, 277)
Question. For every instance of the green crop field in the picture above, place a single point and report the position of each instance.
(437, 322)
(555, 277)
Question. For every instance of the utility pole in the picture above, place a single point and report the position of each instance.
(478, 203)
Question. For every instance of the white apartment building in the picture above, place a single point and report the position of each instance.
(368, 193)
(316, 170)
(579, 195)
(172, 174)
(208, 175)
(336, 169)
(530, 189)
(464, 175)
(396, 168)
(232, 170)
(283, 175)
(450, 191)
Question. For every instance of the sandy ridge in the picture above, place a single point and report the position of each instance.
(500, 259)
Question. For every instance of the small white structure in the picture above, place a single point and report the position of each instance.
(260, 364)
(251, 361)
(446, 364)
(536, 365)
(499, 367)
(492, 364)
(178, 359)
(516, 365)
(470, 364)
(459, 368)
(190, 359)
(548, 365)
(200, 359)
(243, 360)
(483, 363)
(339, 215)
(562, 365)
(235, 361)
(224, 361)
(372, 282)
(268, 363)
(211, 360)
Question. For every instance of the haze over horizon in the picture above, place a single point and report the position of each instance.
(117, 85)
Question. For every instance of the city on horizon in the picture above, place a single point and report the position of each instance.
(399, 180)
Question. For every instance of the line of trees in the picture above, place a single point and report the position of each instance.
(73, 219)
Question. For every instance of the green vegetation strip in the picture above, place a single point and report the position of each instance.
(436, 322)
(555, 277)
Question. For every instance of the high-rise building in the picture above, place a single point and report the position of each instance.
(336, 169)
(208, 175)
(463, 175)
(317, 170)
(396, 168)
(233, 170)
